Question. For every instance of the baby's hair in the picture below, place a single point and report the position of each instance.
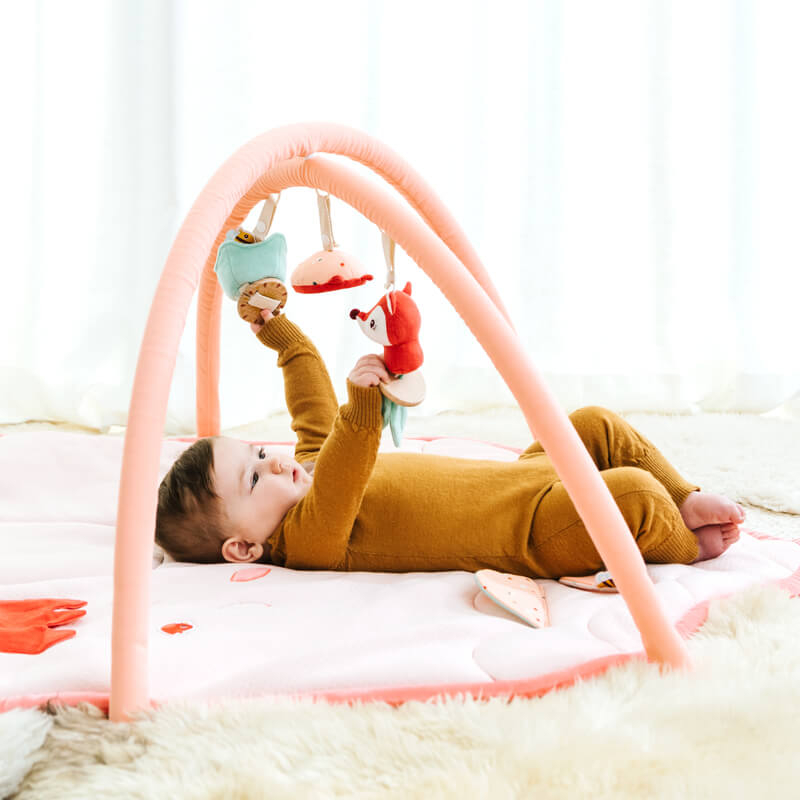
(190, 521)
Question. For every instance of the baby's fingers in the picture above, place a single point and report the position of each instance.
(374, 364)
(366, 376)
(363, 378)
(265, 315)
(376, 375)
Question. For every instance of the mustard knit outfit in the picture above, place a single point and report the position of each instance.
(412, 512)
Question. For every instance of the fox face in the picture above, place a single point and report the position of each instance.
(373, 323)
(390, 324)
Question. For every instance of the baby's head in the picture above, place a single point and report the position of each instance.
(223, 498)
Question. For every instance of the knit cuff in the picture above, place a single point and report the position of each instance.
(678, 488)
(280, 332)
(364, 407)
(680, 547)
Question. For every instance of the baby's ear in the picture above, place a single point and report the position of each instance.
(239, 551)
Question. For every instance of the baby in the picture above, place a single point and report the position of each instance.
(340, 505)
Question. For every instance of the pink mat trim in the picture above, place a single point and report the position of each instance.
(63, 698)
(394, 696)
(687, 626)
(694, 618)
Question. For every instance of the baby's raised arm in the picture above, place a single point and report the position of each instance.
(309, 393)
(316, 532)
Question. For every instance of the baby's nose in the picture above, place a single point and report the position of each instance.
(275, 464)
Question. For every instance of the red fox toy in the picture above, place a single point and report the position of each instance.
(396, 326)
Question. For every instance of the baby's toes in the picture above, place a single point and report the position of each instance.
(730, 532)
(735, 513)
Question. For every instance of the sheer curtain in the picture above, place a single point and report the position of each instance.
(628, 172)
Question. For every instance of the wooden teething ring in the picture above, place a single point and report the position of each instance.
(405, 390)
(257, 296)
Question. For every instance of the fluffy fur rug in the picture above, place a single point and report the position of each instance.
(728, 728)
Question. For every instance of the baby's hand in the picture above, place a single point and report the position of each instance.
(265, 315)
(369, 371)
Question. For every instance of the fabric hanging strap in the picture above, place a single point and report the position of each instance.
(388, 255)
(267, 215)
(325, 225)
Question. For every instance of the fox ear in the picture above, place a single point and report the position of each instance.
(407, 288)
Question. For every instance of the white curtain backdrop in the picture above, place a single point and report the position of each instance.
(628, 172)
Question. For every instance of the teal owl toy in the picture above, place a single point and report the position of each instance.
(252, 269)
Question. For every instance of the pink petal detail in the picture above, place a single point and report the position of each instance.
(250, 574)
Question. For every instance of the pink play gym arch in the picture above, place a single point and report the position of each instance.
(276, 160)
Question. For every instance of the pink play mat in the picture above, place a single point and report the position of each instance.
(221, 630)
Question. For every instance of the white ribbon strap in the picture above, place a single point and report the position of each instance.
(325, 225)
(267, 215)
(388, 254)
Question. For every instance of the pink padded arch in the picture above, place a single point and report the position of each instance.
(269, 163)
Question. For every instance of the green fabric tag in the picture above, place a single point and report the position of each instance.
(395, 417)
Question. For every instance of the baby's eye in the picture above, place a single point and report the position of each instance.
(254, 479)
(261, 453)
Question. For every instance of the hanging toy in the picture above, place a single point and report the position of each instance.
(330, 268)
(394, 321)
(252, 269)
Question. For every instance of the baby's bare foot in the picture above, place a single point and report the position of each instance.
(704, 508)
(711, 541)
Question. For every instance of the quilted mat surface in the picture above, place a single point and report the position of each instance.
(222, 630)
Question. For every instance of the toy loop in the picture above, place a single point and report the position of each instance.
(325, 224)
(267, 215)
(388, 254)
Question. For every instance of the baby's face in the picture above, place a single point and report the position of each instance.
(257, 489)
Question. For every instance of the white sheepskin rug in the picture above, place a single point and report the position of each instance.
(727, 728)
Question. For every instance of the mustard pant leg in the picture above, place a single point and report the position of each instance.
(613, 442)
(647, 489)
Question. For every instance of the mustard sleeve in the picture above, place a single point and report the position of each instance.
(317, 530)
(307, 385)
